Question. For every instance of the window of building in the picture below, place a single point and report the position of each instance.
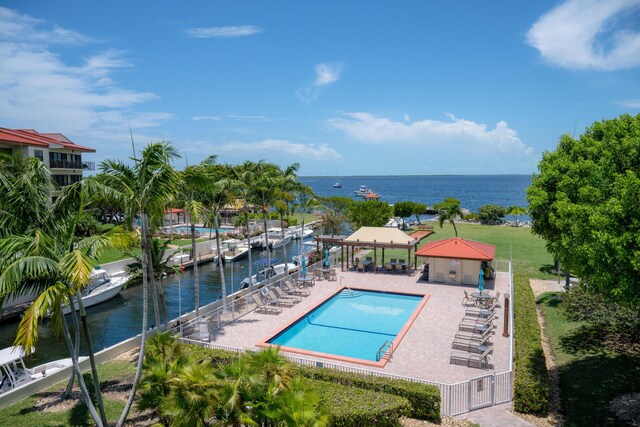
(38, 154)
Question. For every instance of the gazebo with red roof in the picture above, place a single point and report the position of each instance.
(456, 260)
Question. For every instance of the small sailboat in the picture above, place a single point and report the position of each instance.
(337, 183)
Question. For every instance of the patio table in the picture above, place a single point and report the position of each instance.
(305, 280)
(481, 297)
(325, 272)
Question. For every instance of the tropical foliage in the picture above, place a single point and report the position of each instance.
(491, 214)
(369, 213)
(449, 211)
(584, 203)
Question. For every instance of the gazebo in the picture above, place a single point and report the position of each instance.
(377, 238)
(456, 260)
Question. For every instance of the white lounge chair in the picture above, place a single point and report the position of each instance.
(260, 306)
(274, 300)
(281, 294)
(472, 360)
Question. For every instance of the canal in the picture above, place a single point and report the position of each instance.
(120, 318)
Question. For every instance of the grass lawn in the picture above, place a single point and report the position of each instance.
(528, 250)
(26, 413)
(112, 255)
(590, 374)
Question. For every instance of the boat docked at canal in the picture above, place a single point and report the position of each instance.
(102, 287)
(265, 270)
(14, 374)
(234, 251)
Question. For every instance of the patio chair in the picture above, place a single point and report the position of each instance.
(388, 267)
(393, 261)
(293, 289)
(399, 268)
(467, 299)
(360, 266)
(274, 300)
(480, 312)
(260, 306)
(474, 336)
(203, 332)
(472, 345)
(369, 258)
(317, 274)
(332, 274)
(283, 295)
(472, 360)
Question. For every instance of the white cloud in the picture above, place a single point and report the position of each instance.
(223, 32)
(629, 103)
(581, 34)
(326, 74)
(198, 118)
(40, 90)
(447, 136)
(247, 117)
(272, 147)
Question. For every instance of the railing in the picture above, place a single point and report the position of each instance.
(65, 164)
(387, 345)
(89, 166)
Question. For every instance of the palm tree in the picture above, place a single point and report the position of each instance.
(145, 187)
(57, 267)
(286, 182)
(264, 196)
(516, 211)
(449, 210)
(159, 261)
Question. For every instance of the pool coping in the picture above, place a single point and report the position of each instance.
(383, 360)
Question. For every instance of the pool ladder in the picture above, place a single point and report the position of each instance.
(387, 345)
(349, 292)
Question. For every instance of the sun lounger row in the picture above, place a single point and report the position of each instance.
(272, 299)
(471, 346)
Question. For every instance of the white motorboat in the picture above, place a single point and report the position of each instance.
(275, 238)
(276, 268)
(101, 288)
(14, 374)
(363, 191)
(234, 252)
(297, 232)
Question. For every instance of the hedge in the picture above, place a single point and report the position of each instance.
(531, 385)
(350, 406)
(424, 399)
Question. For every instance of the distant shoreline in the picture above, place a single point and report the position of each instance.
(434, 175)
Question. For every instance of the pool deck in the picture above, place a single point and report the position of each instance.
(424, 351)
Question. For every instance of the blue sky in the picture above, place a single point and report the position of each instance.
(353, 88)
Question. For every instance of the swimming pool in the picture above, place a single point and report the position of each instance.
(201, 230)
(352, 325)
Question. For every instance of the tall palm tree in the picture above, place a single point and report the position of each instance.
(264, 195)
(449, 210)
(145, 187)
(57, 267)
(286, 183)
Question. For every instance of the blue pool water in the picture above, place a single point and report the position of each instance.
(352, 324)
(201, 230)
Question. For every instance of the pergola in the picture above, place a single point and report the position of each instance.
(373, 237)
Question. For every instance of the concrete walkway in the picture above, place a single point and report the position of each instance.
(495, 416)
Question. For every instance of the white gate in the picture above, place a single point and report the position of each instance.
(481, 392)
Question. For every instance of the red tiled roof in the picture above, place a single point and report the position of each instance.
(457, 248)
(31, 137)
(173, 210)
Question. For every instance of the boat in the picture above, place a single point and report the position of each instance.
(363, 191)
(234, 252)
(101, 288)
(275, 238)
(297, 232)
(275, 267)
(14, 374)
(337, 183)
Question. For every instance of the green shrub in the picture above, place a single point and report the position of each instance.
(292, 222)
(531, 385)
(350, 406)
(424, 399)
(103, 228)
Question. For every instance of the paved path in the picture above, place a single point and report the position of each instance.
(495, 416)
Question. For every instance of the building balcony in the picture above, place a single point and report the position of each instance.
(65, 164)
(89, 166)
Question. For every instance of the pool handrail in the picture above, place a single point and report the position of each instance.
(387, 345)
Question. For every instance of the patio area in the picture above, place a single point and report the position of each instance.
(425, 350)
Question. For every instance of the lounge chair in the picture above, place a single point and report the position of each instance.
(480, 312)
(472, 360)
(477, 325)
(477, 319)
(472, 345)
(290, 288)
(332, 274)
(274, 300)
(282, 295)
(474, 336)
(260, 306)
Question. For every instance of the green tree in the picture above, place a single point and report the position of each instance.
(584, 203)
(516, 211)
(369, 213)
(338, 204)
(418, 209)
(145, 187)
(491, 214)
(159, 261)
(403, 210)
(449, 210)
(286, 183)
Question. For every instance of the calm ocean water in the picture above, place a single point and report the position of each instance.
(473, 191)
